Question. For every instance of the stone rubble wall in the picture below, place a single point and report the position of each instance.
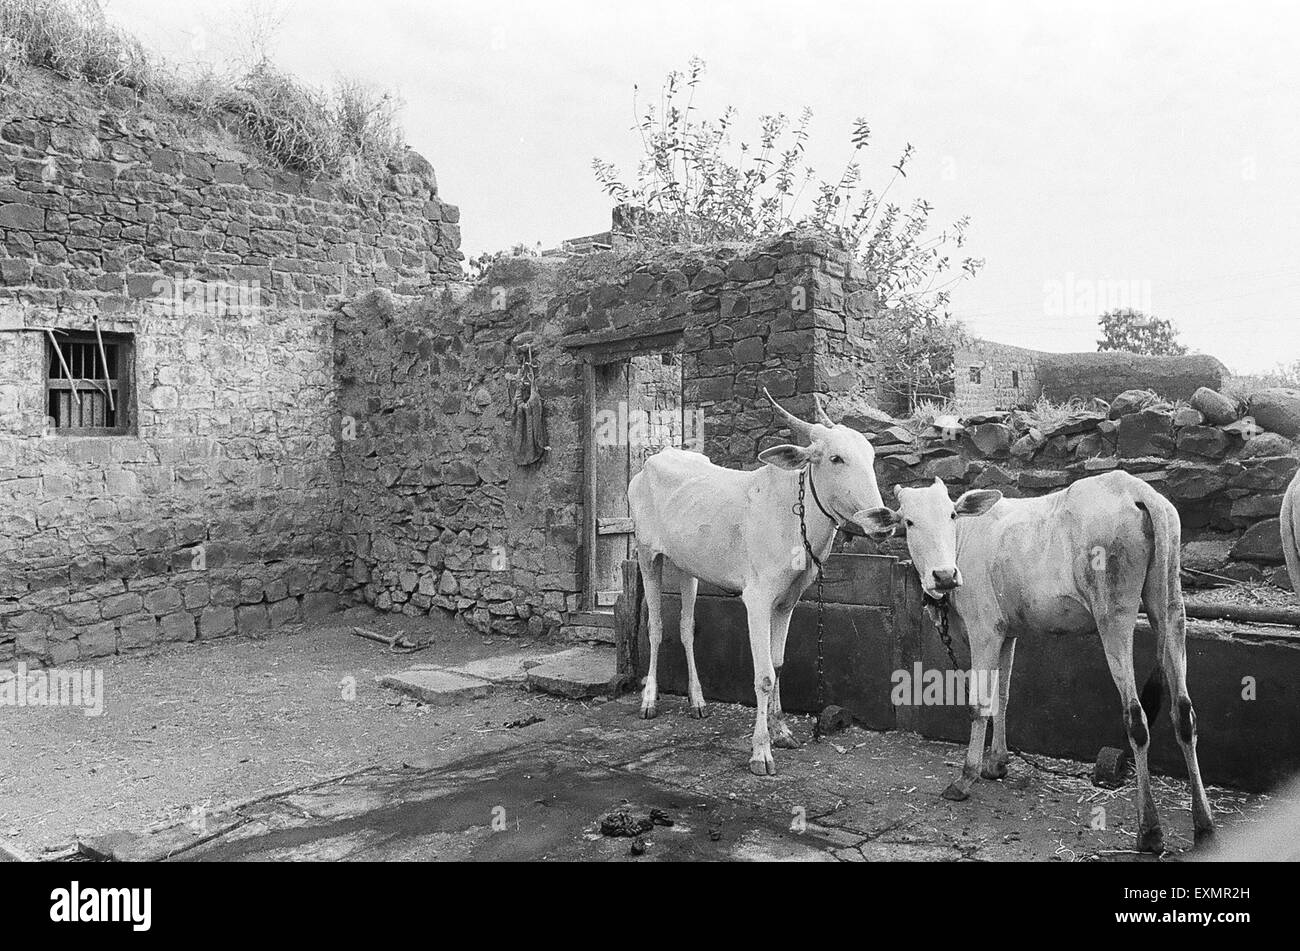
(1226, 479)
(1061, 377)
(220, 511)
(439, 516)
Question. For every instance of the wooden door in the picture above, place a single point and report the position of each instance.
(636, 409)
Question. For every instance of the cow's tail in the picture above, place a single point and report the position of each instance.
(1289, 550)
(1162, 593)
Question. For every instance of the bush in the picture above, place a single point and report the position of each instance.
(74, 39)
(691, 186)
(349, 134)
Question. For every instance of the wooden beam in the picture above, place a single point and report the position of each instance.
(613, 526)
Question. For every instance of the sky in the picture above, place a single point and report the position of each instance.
(1139, 154)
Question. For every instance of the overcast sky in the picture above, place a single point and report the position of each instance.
(1145, 151)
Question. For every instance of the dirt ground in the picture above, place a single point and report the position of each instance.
(515, 774)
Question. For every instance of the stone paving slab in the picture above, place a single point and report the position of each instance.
(506, 669)
(578, 674)
(436, 687)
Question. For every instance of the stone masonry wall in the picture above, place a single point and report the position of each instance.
(1061, 377)
(219, 510)
(439, 517)
(1008, 376)
(1225, 478)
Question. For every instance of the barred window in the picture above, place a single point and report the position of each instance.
(88, 383)
(975, 374)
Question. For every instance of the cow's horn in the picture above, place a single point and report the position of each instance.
(822, 416)
(797, 425)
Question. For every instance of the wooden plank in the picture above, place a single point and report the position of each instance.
(616, 335)
(589, 488)
(592, 618)
(628, 612)
(613, 526)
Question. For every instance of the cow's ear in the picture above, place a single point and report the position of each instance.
(878, 522)
(786, 456)
(978, 501)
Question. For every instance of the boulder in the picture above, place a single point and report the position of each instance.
(1261, 542)
(1186, 483)
(1277, 409)
(1214, 406)
(1188, 416)
(1042, 480)
(1028, 444)
(1270, 475)
(1130, 401)
(992, 439)
(893, 436)
(1267, 444)
(1074, 423)
(1093, 444)
(1208, 442)
(1207, 555)
(1145, 433)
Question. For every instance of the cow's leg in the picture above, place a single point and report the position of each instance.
(995, 765)
(1116, 631)
(690, 586)
(778, 729)
(652, 567)
(1174, 663)
(985, 651)
(758, 605)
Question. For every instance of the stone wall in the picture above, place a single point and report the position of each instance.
(1226, 479)
(218, 510)
(989, 375)
(440, 517)
(1067, 376)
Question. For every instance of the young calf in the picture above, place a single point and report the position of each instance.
(1078, 560)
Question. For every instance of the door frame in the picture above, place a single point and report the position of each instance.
(595, 350)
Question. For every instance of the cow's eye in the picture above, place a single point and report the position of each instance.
(908, 522)
(954, 513)
(836, 459)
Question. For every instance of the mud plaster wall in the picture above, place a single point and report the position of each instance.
(219, 512)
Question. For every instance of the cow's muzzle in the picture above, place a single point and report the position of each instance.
(945, 579)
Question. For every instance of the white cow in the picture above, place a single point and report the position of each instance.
(1082, 559)
(1291, 531)
(741, 531)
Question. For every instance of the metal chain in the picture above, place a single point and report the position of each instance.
(941, 624)
(799, 510)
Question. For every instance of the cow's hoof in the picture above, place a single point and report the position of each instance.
(954, 793)
(1204, 838)
(649, 713)
(762, 767)
(700, 712)
(1152, 840)
(994, 769)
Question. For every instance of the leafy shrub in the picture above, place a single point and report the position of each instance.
(1135, 332)
(692, 186)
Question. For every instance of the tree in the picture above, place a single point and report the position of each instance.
(1136, 332)
(693, 187)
